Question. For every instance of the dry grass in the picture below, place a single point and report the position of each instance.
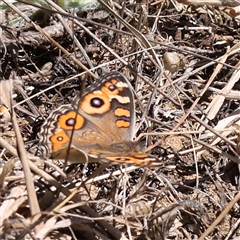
(187, 111)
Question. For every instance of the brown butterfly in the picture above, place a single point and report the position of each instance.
(98, 126)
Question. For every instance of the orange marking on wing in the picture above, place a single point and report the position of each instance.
(93, 152)
(3, 108)
(70, 121)
(107, 88)
(131, 160)
(122, 124)
(114, 81)
(87, 106)
(58, 140)
(141, 155)
(122, 112)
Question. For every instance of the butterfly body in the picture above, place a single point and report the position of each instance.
(98, 126)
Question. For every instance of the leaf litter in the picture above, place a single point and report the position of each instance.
(183, 63)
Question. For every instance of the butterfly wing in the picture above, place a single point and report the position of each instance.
(109, 106)
(104, 115)
(127, 153)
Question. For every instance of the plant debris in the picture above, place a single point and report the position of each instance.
(183, 64)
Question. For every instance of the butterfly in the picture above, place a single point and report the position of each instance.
(97, 126)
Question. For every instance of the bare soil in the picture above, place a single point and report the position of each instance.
(183, 64)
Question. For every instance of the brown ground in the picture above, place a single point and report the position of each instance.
(184, 122)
